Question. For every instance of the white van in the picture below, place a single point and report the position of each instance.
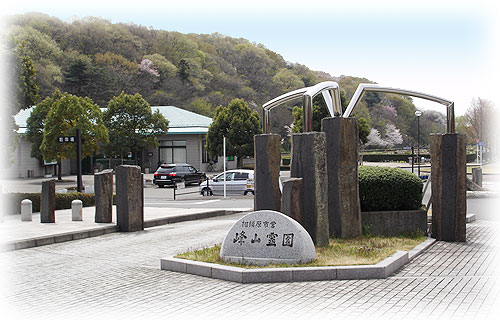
(238, 182)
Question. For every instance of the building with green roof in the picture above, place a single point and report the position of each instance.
(183, 143)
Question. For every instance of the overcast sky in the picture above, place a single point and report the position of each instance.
(445, 48)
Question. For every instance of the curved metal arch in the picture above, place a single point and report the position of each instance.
(370, 87)
(331, 94)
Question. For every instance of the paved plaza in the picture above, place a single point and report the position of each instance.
(118, 276)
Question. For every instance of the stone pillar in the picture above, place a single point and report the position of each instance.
(267, 172)
(48, 202)
(477, 176)
(129, 198)
(103, 184)
(26, 210)
(76, 210)
(344, 209)
(291, 199)
(448, 182)
(309, 163)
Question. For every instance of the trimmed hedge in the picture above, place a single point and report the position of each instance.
(389, 189)
(63, 200)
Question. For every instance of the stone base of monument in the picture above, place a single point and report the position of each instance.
(381, 270)
(269, 237)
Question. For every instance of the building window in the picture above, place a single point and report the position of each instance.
(172, 151)
(205, 158)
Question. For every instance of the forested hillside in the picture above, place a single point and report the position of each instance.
(95, 58)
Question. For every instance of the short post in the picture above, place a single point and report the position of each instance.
(26, 210)
(448, 167)
(129, 198)
(291, 200)
(309, 163)
(477, 176)
(267, 172)
(103, 183)
(344, 208)
(76, 210)
(48, 202)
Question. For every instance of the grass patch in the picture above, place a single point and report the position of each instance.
(340, 252)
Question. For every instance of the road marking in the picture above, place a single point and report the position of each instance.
(208, 201)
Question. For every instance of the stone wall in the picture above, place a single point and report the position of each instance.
(394, 223)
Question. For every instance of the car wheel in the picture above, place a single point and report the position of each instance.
(206, 192)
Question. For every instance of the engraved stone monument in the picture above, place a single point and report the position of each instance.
(267, 237)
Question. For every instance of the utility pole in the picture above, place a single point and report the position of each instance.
(418, 113)
(78, 161)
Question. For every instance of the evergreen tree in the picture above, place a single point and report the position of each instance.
(238, 123)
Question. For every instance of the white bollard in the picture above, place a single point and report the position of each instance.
(26, 210)
(76, 210)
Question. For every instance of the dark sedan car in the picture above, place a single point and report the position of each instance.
(169, 174)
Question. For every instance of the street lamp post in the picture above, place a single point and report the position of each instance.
(418, 113)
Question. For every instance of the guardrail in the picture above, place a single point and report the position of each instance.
(182, 186)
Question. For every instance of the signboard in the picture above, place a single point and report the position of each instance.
(477, 140)
(66, 139)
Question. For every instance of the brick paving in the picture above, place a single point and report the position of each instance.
(118, 276)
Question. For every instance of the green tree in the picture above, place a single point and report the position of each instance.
(65, 115)
(24, 86)
(364, 130)
(238, 123)
(132, 125)
(23, 90)
(286, 80)
(36, 122)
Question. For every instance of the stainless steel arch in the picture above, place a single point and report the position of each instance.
(331, 94)
(370, 87)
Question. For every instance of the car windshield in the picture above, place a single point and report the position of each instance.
(229, 176)
(165, 169)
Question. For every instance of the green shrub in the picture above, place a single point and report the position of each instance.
(63, 200)
(388, 189)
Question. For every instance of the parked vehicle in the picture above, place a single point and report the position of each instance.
(169, 174)
(238, 182)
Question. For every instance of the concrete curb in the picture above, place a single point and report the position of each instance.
(99, 231)
(381, 270)
(482, 194)
(62, 237)
(187, 217)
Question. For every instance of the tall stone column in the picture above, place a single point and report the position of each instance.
(103, 188)
(448, 182)
(48, 202)
(267, 172)
(309, 163)
(344, 209)
(129, 198)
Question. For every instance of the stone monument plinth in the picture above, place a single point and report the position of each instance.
(267, 237)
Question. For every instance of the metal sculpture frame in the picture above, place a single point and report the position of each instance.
(331, 94)
(370, 87)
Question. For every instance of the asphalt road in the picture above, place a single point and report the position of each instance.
(483, 208)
